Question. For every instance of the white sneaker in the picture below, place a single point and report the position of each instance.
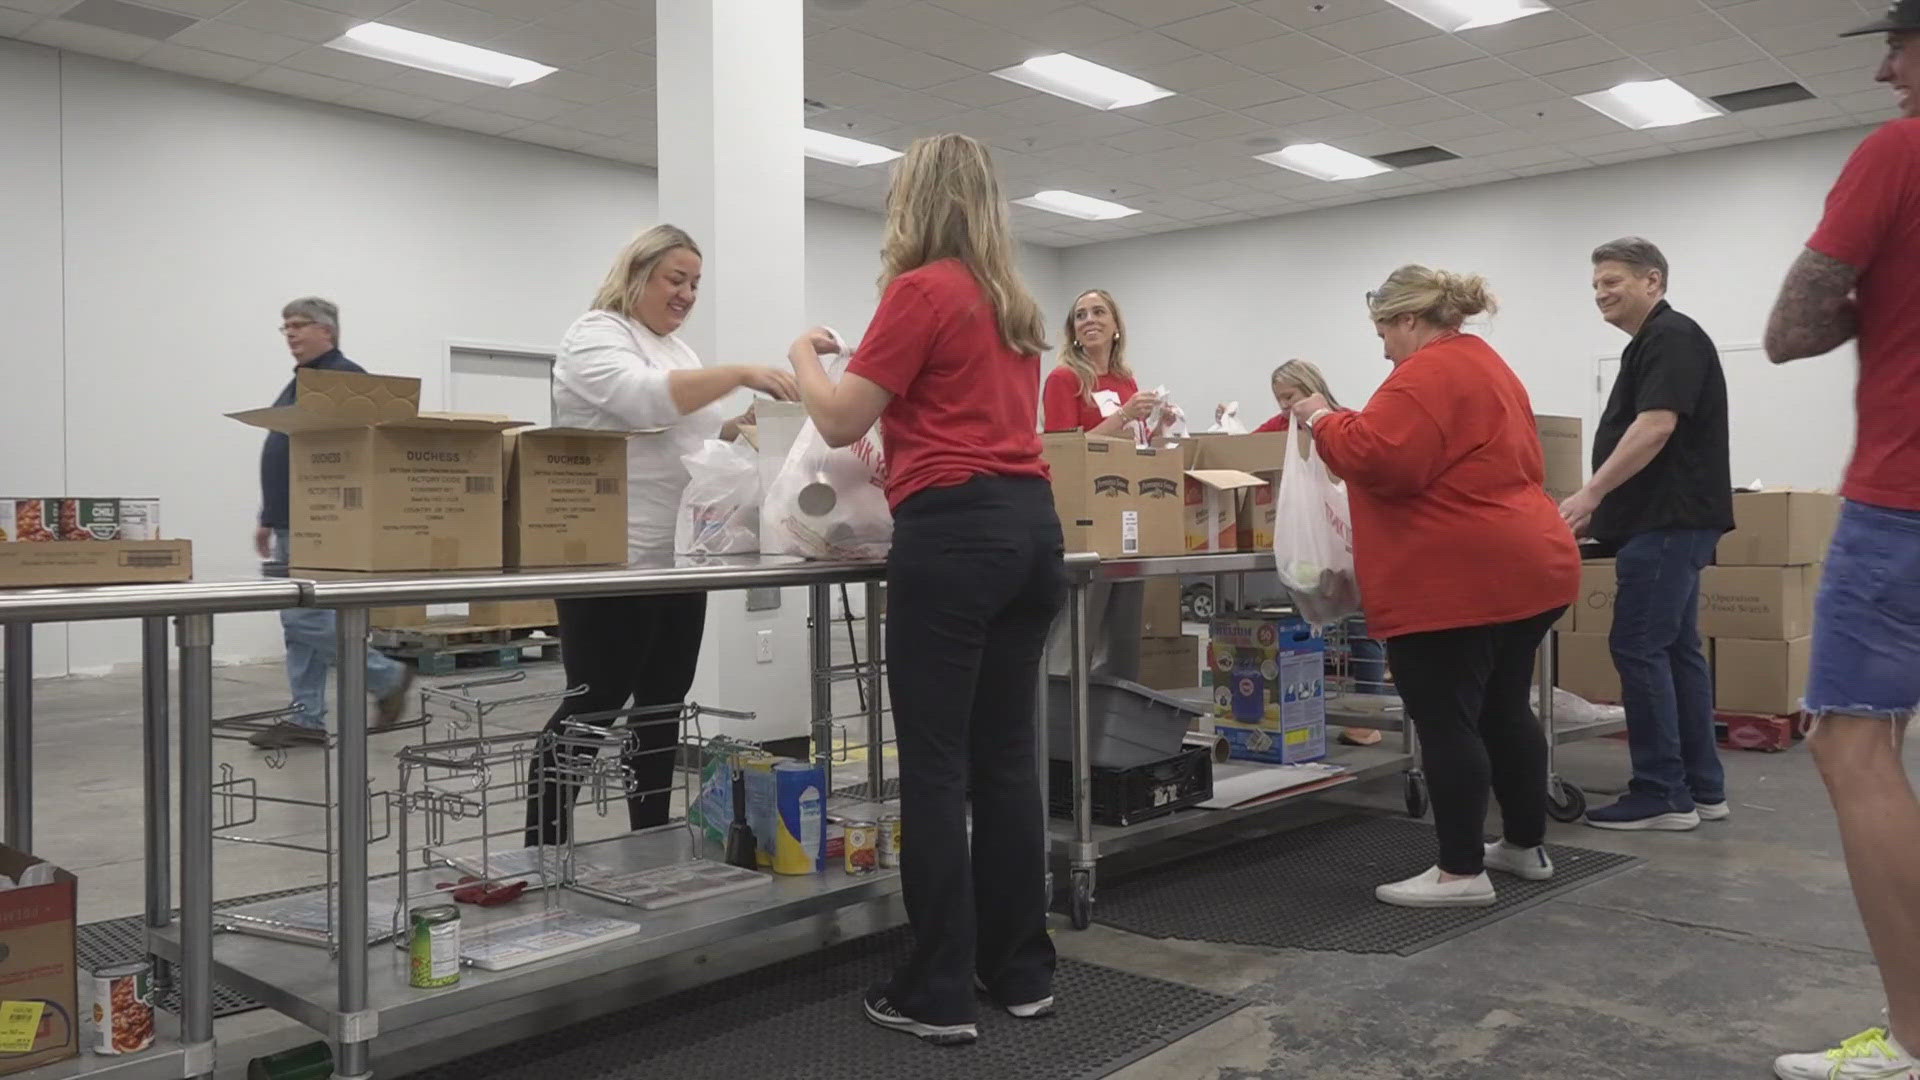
(1027, 1010)
(1426, 890)
(1529, 864)
(1870, 1055)
(1713, 811)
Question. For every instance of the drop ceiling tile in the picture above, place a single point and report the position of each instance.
(909, 107)
(1727, 80)
(549, 45)
(1293, 111)
(842, 48)
(1705, 57)
(207, 65)
(1550, 167)
(1332, 75)
(231, 40)
(584, 89)
(979, 90)
(1772, 14)
(1440, 132)
(1776, 116)
(1605, 76)
(1639, 154)
(608, 23)
(1532, 155)
(1467, 76)
(1862, 54)
(1070, 28)
(524, 10)
(913, 70)
(989, 11)
(990, 49)
(486, 123)
(359, 9)
(433, 86)
(520, 102)
(1246, 92)
(1841, 83)
(1424, 111)
(335, 64)
(1137, 52)
(1506, 95)
(93, 40)
(1528, 33)
(977, 123)
(844, 88)
(1042, 109)
(1257, 202)
(456, 22)
(1423, 55)
(1222, 29)
(1698, 28)
(558, 137)
(1383, 140)
(621, 67)
(1160, 12)
(1215, 190)
(1217, 126)
(1193, 73)
(610, 118)
(1174, 206)
(1564, 55)
(291, 19)
(1375, 31)
(1171, 110)
(37, 7)
(1716, 142)
(1493, 142)
(1694, 132)
(301, 84)
(1610, 144)
(199, 9)
(1805, 37)
(1875, 102)
(1606, 16)
(1307, 14)
(1375, 95)
(1336, 128)
(852, 123)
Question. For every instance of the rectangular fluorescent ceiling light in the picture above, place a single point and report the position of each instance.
(428, 53)
(841, 150)
(1655, 104)
(1456, 15)
(1068, 76)
(1084, 207)
(1323, 162)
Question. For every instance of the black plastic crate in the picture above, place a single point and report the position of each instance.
(1138, 792)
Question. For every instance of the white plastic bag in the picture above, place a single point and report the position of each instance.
(1176, 420)
(1229, 421)
(1313, 536)
(720, 508)
(827, 503)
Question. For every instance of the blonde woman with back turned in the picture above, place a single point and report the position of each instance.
(977, 571)
(622, 367)
(1464, 563)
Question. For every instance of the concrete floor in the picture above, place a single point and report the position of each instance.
(1726, 946)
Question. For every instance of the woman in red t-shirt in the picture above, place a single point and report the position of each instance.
(1464, 564)
(1093, 389)
(951, 365)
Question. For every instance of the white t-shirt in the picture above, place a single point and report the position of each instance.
(612, 374)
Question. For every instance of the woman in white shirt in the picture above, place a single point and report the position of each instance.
(622, 368)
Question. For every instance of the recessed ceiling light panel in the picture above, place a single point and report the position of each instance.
(1323, 162)
(826, 146)
(462, 61)
(1084, 207)
(1656, 103)
(1066, 75)
(1456, 15)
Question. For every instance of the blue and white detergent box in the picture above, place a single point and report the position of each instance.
(1269, 688)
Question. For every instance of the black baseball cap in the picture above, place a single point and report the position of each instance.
(1901, 15)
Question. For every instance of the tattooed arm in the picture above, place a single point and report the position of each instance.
(1815, 313)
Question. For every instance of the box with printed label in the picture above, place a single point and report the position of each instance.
(1593, 607)
(377, 486)
(1766, 678)
(1170, 663)
(1160, 494)
(1758, 603)
(39, 979)
(566, 497)
(1214, 500)
(1779, 528)
(1584, 666)
(1269, 679)
(97, 562)
(1114, 498)
(1563, 445)
(512, 613)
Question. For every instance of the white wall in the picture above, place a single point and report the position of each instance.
(154, 224)
(1210, 312)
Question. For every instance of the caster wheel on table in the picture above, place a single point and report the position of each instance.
(1416, 795)
(1565, 802)
(1080, 909)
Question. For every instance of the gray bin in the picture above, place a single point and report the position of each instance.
(1127, 724)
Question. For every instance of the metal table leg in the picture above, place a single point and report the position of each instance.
(159, 779)
(19, 735)
(357, 1025)
(820, 660)
(1565, 802)
(1043, 763)
(876, 729)
(196, 841)
(1082, 857)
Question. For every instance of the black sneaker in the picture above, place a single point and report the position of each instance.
(882, 1012)
(1032, 1010)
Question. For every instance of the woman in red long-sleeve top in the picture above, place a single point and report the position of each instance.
(1464, 564)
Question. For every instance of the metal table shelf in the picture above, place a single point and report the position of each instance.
(165, 1060)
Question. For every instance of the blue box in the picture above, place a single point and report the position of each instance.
(1270, 688)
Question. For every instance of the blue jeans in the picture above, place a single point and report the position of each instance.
(1368, 659)
(1866, 624)
(312, 648)
(1664, 679)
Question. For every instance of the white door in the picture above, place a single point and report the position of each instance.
(515, 385)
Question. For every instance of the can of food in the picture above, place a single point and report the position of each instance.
(862, 847)
(123, 1007)
(139, 519)
(87, 519)
(890, 842)
(434, 949)
(29, 519)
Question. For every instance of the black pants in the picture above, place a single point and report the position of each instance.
(638, 649)
(973, 582)
(1467, 693)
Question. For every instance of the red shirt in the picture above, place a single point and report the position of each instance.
(1452, 524)
(1873, 225)
(1065, 409)
(1278, 423)
(963, 402)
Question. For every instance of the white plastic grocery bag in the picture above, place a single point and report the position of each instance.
(1228, 423)
(1313, 536)
(720, 509)
(827, 503)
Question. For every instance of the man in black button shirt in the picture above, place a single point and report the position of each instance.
(311, 327)
(1662, 493)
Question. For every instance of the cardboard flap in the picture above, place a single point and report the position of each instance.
(430, 422)
(326, 400)
(1226, 479)
(499, 417)
(580, 432)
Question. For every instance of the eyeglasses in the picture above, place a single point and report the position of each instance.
(291, 325)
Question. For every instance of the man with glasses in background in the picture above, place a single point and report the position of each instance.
(311, 327)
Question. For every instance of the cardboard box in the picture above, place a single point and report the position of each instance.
(1160, 615)
(1758, 603)
(1780, 528)
(1262, 454)
(1593, 608)
(95, 562)
(513, 612)
(1585, 667)
(398, 618)
(1269, 678)
(37, 960)
(1114, 498)
(1765, 678)
(566, 497)
(1214, 499)
(1563, 444)
(1259, 510)
(1771, 734)
(377, 486)
(1170, 663)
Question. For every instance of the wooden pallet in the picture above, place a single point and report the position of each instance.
(447, 644)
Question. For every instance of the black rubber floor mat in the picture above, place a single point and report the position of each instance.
(116, 940)
(1312, 889)
(801, 1020)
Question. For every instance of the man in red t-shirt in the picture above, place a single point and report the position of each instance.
(1859, 277)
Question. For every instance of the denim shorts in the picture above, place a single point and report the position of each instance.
(1866, 626)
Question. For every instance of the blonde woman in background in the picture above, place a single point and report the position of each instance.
(1093, 389)
(976, 574)
(1290, 382)
(623, 367)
